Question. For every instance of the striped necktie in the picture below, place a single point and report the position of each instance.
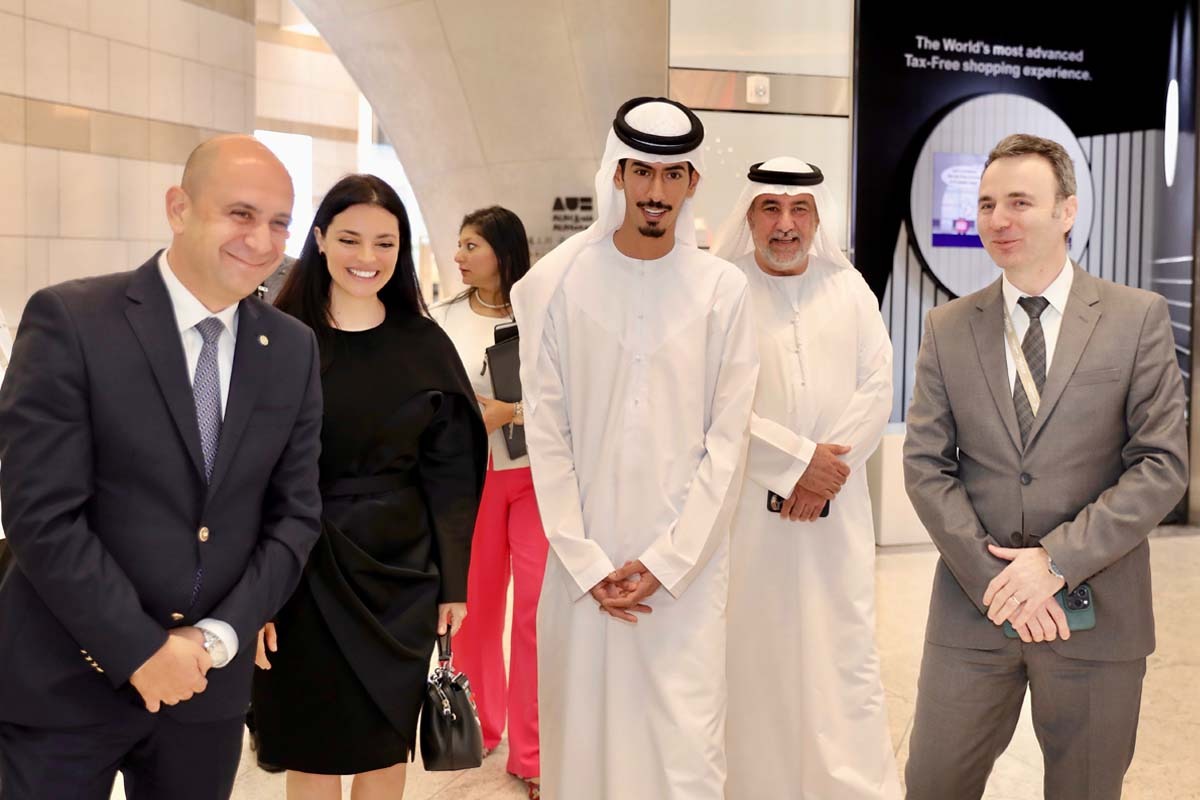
(1034, 347)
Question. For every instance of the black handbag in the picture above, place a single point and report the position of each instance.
(450, 734)
(504, 360)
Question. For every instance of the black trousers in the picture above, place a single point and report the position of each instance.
(159, 759)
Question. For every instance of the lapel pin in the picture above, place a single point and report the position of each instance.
(264, 341)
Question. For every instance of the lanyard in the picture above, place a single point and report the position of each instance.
(1018, 355)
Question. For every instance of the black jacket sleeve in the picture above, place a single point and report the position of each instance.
(451, 482)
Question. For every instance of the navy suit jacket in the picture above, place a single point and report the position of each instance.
(106, 509)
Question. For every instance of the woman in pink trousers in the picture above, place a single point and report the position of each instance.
(493, 254)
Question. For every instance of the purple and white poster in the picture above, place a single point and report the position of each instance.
(956, 198)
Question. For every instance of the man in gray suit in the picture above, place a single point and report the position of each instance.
(1046, 438)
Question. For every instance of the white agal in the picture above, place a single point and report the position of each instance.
(806, 706)
(645, 378)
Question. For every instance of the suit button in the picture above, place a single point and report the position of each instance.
(1026, 479)
(176, 616)
(203, 535)
(1016, 538)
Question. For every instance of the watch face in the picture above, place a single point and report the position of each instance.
(214, 647)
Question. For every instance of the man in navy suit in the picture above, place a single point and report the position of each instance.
(159, 431)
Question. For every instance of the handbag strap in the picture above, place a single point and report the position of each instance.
(444, 652)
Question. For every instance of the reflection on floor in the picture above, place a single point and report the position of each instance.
(1165, 765)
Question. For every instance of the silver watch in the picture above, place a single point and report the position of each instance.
(1054, 570)
(215, 647)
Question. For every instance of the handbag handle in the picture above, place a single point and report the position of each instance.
(443, 646)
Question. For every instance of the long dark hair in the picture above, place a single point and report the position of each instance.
(305, 294)
(503, 230)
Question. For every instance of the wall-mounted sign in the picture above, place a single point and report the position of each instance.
(569, 214)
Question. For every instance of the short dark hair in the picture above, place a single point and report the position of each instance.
(1024, 144)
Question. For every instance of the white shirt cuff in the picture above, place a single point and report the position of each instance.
(225, 632)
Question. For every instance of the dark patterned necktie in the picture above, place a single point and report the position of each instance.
(1034, 347)
(206, 390)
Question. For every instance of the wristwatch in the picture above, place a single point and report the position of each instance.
(215, 647)
(518, 417)
(1054, 569)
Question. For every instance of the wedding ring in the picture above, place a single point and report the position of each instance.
(1015, 600)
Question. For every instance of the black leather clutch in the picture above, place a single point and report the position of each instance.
(504, 362)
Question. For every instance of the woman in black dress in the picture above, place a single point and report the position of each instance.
(402, 462)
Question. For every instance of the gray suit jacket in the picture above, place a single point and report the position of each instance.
(1105, 462)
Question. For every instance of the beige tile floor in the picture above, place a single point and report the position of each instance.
(1167, 763)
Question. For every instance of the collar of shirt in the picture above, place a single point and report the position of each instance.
(1057, 293)
(188, 309)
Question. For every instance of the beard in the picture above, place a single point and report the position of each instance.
(780, 263)
(652, 229)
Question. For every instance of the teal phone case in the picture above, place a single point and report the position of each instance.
(1078, 619)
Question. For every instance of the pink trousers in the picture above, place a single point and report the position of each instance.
(508, 541)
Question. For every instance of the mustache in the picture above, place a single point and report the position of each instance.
(654, 204)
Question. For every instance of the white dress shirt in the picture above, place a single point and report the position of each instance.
(188, 312)
(1057, 294)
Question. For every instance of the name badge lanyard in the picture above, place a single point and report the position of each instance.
(1023, 373)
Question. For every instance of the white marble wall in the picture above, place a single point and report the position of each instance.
(100, 102)
(490, 102)
(787, 37)
(168, 59)
(304, 86)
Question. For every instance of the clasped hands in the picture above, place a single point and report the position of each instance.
(1023, 594)
(824, 477)
(176, 672)
(622, 592)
